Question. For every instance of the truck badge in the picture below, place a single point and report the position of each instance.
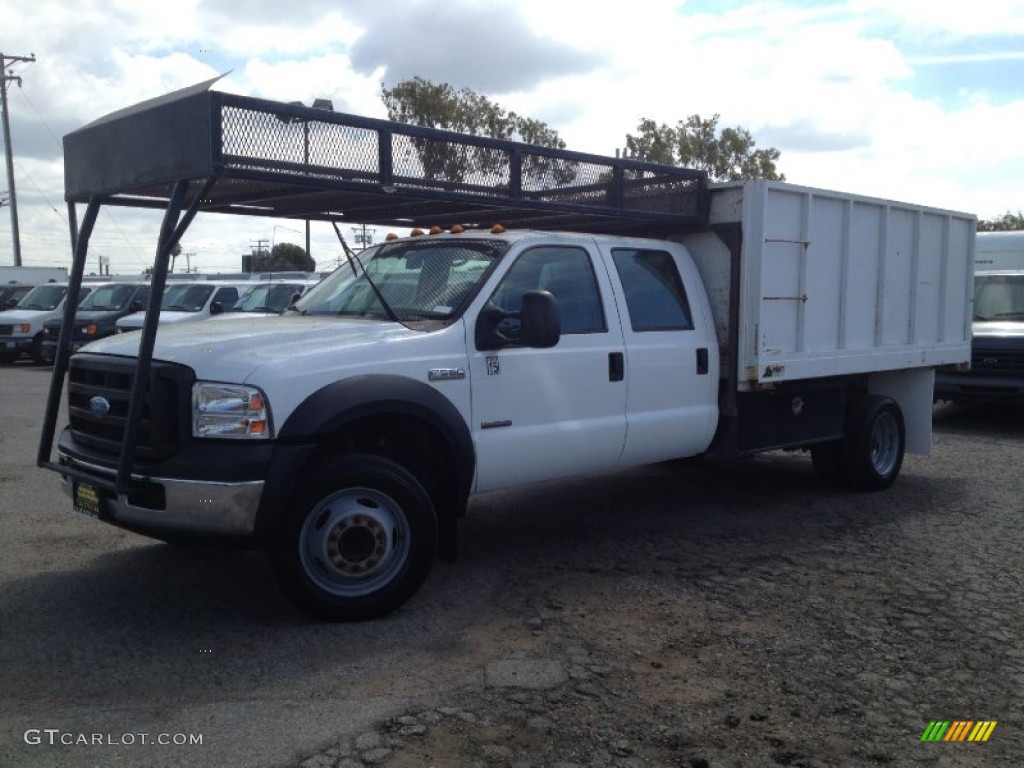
(493, 365)
(100, 406)
(446, 374)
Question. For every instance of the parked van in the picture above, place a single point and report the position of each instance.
(21, 328)
(995, 251)
(97, 315)
(270, 298)
(188, 302)
(996, 372)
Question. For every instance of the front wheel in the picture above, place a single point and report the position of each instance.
(36, 352)
(874, 444)
(357, 540)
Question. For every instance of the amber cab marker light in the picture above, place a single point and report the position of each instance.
(497, 229)
(391, 236)
(458, 229)
(416, 232)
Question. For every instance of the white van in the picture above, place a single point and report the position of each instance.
(190, 301)
(999, 251)
(21, 328)
(268, 298)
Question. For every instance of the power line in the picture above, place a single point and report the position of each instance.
(41, 120)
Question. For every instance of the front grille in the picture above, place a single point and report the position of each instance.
(164, 427)
(1005, 359)
(51, 332)
(6, 330)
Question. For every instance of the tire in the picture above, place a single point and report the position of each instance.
(36, 352)
(827, 459)
(874, 444)
(357, 541)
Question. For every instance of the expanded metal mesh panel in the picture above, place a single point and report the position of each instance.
(256, 139)
(424, 163)
(427, 164)
(271, 159)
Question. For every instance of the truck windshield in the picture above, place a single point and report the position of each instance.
(267, 298)
(186, 298)
(108, 297)
(999, 297)
(419, 280)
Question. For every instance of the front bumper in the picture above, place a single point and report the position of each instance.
(183, 500)
(978, 388)
(16, 343)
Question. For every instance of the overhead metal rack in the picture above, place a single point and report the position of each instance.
(198, 150)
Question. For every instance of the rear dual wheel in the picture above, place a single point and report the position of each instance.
(870, 456)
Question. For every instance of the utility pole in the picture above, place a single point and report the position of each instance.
(4, 77)
(359, 234)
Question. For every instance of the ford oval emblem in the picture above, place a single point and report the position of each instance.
(100, 406)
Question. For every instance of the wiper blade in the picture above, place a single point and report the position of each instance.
(380, 297)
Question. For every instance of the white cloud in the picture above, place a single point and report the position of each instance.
(836, 86)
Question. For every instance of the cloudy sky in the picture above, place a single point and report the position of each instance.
(907, 99)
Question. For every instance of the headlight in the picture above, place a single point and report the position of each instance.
(25, 328)
(229, 410)
(89, 330)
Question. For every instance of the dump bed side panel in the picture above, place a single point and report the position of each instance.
(832, 284)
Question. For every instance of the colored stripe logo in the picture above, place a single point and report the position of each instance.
(958, 730)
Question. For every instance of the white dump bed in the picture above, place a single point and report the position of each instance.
(806, 283)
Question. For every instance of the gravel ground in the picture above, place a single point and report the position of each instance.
(730, 613)
(761, 620)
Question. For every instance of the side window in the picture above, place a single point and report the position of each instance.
(654, 292)
(226, 295)
(564, 271)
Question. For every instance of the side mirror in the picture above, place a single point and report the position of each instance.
(136, 306)
(216, 308)
(542, 326)
(536, 325)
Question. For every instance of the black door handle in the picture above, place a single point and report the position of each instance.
(616, 366)
(702, 361)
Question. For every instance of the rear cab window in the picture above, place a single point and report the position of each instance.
(654, 292)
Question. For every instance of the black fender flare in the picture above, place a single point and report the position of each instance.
(330, 408)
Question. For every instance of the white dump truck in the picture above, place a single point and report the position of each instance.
(630, 313)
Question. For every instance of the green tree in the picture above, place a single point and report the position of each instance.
(727, 154)
(420, 102)
(1007, 222)
(284, 257)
